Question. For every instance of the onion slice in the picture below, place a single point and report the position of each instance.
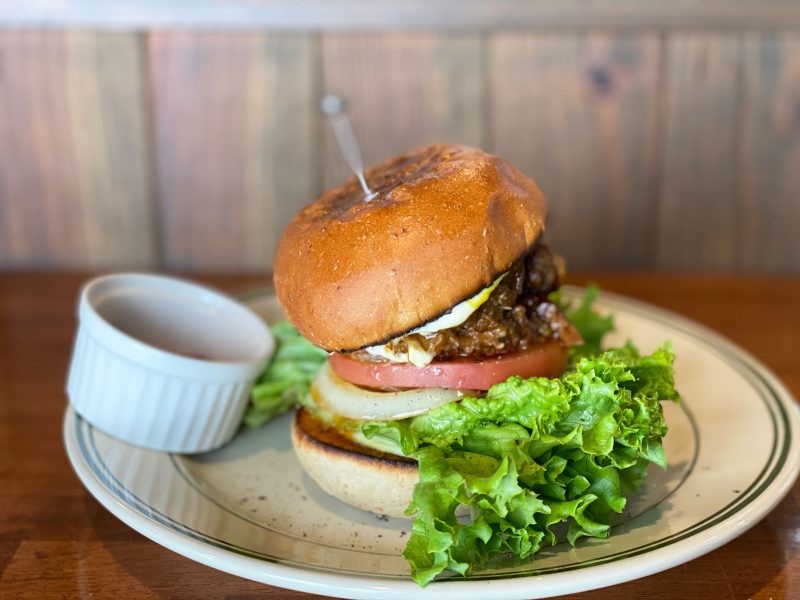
(339, 397)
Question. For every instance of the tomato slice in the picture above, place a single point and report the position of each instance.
(544, 360)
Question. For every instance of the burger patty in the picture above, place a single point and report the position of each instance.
(516, 316)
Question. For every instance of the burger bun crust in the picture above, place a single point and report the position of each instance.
(446, 220)
(374, 482)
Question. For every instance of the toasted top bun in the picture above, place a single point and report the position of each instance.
(446, 220)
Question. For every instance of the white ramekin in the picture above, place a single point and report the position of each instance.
(163, 363)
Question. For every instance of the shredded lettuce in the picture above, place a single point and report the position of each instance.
(287, 377)
(531, 454)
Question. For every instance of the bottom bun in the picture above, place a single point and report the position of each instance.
(362, 477)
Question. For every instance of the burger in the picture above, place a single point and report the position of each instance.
(435, 288)
(444, 397)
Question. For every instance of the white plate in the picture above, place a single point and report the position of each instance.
(249, 509)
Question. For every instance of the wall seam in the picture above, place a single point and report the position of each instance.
(148, 100)
(656, 163)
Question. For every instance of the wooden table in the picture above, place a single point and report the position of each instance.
(57, 541)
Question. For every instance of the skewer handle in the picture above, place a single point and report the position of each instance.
(333, 106)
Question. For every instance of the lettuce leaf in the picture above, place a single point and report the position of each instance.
(287, 377)
(590, 324)
(531, 454)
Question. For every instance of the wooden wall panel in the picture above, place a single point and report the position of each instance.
(769, 159)
(404, 91)
(74, 174)
(235, 124)
(578, 113)
(447, 15)
(698, 198)
(192, 150)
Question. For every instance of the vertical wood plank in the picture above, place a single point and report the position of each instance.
(770, 154)
(38, 171)
(74, 174)
(697, 205)
(403, 91)
(110, 132)
(578, 113)
(235, 134)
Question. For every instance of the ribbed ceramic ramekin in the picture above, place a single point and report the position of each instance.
(163, 363)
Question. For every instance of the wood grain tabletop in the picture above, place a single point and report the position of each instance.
(57, 541)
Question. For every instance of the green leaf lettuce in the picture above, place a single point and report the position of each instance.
(287, 377)
(531, 454)
(592, 325)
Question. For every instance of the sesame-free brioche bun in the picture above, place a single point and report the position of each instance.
(446, 220)
(360, 476)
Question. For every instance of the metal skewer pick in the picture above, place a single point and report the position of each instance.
(333, 106)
